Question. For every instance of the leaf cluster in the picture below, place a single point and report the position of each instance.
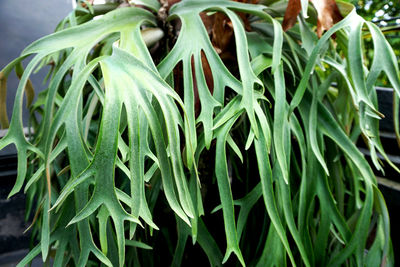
(116, 150)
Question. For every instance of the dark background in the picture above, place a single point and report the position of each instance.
(21, 22)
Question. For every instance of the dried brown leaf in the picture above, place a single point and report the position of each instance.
(209, 80)
(208, 21)
(291, 13)
(3, 101)
(328, 14)
(29, 90)
(222, 33)
(168, 3)
(220, 29)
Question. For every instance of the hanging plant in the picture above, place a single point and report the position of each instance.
(189, 108)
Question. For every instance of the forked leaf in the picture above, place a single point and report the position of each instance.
(221, 172)
(125, 130)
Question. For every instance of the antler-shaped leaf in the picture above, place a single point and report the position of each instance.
(192, 27)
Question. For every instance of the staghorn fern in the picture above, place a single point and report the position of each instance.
(113, 134)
